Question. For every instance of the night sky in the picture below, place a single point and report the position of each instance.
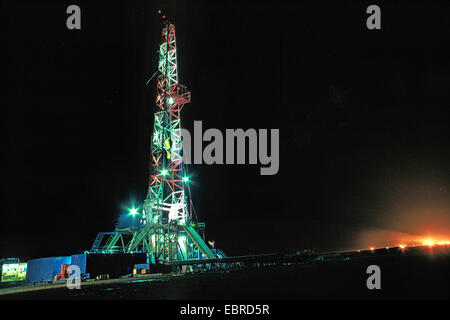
(363, 118)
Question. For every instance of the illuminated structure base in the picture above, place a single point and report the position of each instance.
(164, 243)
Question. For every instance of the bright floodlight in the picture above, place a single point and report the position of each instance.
(133, 211)
(170, 100)
(186, 179)
(164, 172)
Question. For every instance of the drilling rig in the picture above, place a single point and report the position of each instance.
(164, 227)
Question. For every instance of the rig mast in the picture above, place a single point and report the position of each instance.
(165, 229)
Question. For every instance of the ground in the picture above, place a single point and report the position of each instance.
(402, 277)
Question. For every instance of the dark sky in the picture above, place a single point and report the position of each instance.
(361, 114)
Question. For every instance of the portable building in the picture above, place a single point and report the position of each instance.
(45, 269)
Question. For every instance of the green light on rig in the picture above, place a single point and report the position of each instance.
(185, 179)
(133, 211)
(164, 172)
(170, 100)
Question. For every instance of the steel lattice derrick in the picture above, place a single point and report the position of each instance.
(165, 206)
(167, 166)
(168, 233)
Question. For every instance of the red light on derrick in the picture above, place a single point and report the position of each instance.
(159, 11)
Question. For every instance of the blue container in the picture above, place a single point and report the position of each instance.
(40, 270)
(33, 270)
(44, 269)
(80, 261)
